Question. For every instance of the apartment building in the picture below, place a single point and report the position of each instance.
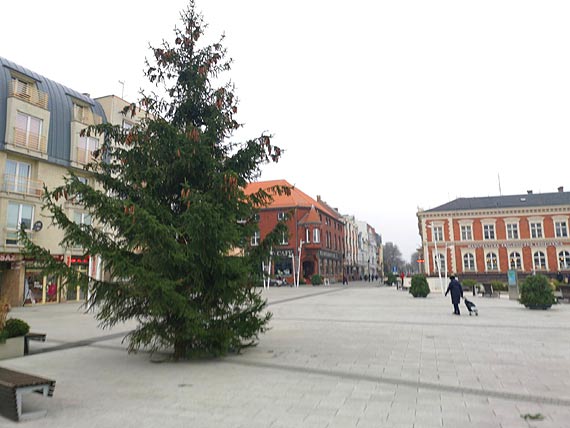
(482, 238)
(40, 141)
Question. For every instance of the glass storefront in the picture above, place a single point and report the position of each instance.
(33, 286)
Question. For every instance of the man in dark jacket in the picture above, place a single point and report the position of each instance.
(456, 293)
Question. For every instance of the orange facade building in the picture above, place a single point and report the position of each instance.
(483, 238)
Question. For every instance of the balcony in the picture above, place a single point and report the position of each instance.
(87, 117)
(30, 140)
(21, 185)
(30, 94)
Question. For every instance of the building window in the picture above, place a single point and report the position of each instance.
(492, 261)
(280, 216)
(85, 148)
(21, 88)
(28, 131)
(512, 231)
(439, 260)
(563, 260)
(255, 238)
(466, 233)
(488, 231)
(82, 218)
(437, 233)
(17, 177)
(307, 235)
(515, 260)
(539, 260)
(316, 235)
(536, 230)
(284, 238)
(468, 262)
(18, 214)
(561, 229)
(127, 125)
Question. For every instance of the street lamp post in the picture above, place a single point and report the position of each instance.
(301, 242)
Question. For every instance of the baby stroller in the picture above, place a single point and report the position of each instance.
(472, 307)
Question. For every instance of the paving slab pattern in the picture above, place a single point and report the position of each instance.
(357, 356)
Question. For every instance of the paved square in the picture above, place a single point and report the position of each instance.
(356, 356)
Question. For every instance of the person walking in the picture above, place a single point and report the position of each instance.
(456, 291)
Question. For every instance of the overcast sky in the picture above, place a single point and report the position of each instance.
(381, 106)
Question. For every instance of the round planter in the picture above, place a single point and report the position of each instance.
(544, 307)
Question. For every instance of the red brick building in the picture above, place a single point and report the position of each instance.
(314, 228)
(483, 238)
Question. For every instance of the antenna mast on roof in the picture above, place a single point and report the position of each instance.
(499, 178)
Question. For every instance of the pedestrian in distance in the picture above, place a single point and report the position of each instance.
(344, 280)
(456, 291)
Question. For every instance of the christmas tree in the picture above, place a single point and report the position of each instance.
(169, 211)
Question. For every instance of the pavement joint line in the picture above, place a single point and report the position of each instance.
(562, 402)
(84, 342)
(291, 299)
(421, 323)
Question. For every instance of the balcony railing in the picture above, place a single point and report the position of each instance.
(31, 94)
(30, 140)
(22, 185)
(87, 117)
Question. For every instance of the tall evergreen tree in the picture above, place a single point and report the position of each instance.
(169, 209)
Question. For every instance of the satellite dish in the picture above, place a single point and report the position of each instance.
(37, 226)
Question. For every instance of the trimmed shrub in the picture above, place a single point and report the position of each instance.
(467, 285)
(499, 286)
(316, 279)
(419, 287)
(391, 278)
(536, 292)
(15, 327)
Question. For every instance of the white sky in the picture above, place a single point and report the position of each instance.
(382, 106)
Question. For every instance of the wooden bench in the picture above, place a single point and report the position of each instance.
(13, 385)
(41, 337)
(565, 292)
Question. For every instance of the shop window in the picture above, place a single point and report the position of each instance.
(283, 266)
(18, 214)
(33, 287)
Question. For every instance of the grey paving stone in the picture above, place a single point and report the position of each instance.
(352, 357)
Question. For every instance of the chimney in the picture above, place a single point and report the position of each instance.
(529, 192)
(561, 189)
(319, 198)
